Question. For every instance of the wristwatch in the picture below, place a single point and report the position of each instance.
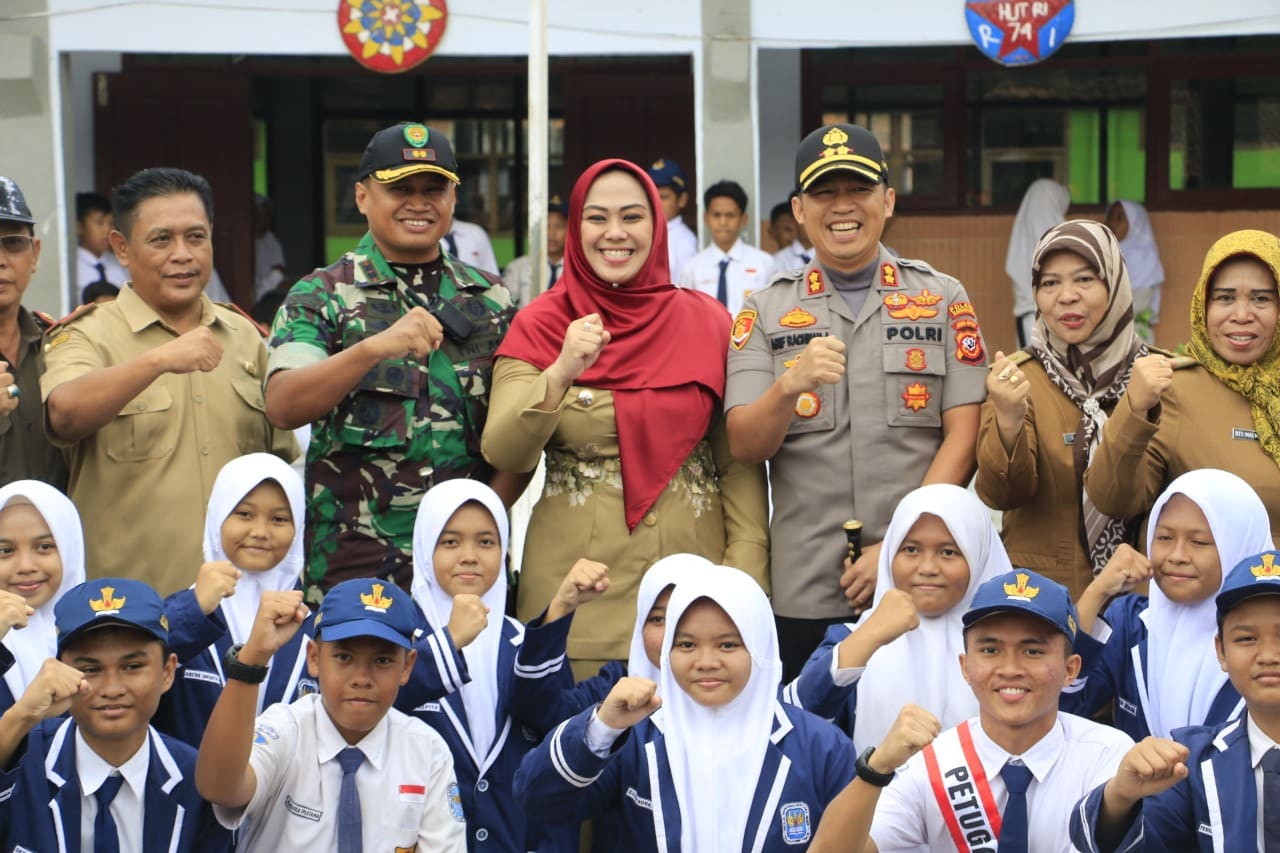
(867, 774)
(233, 668)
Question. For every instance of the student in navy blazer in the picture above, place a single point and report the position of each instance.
(1158, 662)
(723, 765)
(1211, 788)
(112, 668)
(253, 543)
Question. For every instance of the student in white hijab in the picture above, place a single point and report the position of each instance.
(30, 512)
(1132, 227)
(724, 765)
(920, 666)
(1043, 206)
(652, 602)
(253, 544)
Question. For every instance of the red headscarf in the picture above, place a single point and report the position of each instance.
(665, 361)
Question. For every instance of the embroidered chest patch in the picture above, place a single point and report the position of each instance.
(796, 828)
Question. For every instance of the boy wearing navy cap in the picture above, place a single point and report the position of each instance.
(1210, 788)
(342, 770)
(1009, 775)
(673, 190)
(104, 779)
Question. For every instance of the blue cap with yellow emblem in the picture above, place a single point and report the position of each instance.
(367, 608)
(1258, 574)
(1024, 591)
(407, 149)
(666, 172)
(109, 601)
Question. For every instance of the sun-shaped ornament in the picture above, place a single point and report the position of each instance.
(390, 36)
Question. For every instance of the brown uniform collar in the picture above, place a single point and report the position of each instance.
(138, 314)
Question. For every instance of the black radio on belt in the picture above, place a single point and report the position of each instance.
(456, 324)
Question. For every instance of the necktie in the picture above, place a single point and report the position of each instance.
(1270, 804)
(105, 837)
(805, 257)
(555, 274)
(1013, 829)
(722, 286)
(349, 828)
(102, 271)
(450, 246)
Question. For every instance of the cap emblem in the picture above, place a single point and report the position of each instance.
(834, 136)
(1071, 623)
(416, 135)
(375, 601)
(1020, 589)
(108, 603)
(659, 164)
(1268, 570)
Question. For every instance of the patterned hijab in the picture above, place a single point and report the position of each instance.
(1259, 383)
(1094, 374)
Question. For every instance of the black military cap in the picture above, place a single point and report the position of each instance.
(407, 149)
(13, 206)
(840, 146)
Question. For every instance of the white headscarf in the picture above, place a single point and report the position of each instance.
(1139, 247)
(1043, 206)
(1183, 676)
(480, 695)
(716, 754)
(236, 479)
(32, 645)
(922, 666)
(662, 574)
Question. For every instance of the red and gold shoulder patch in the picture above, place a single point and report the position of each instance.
(915, 359)
(797, 318)
(888, 275)
(958, 309)
(815, 284)
(808, 405)
(969, 341)
(916, 397)
(236, 308)
(743, 325)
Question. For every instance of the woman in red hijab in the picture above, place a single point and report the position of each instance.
(619, 376)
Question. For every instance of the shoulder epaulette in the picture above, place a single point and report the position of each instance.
(1176, 360)
(231, 306)
(43, 320)
(923, 266)
(1020, 357)
(82, 311)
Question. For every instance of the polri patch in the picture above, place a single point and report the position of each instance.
(916, 397)
(796, 826)
(969, 342)
(743, 325)
(916, 359)
(797, 318)
(961, 309)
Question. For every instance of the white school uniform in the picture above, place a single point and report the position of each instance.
(682, 245)
(747, 272)
(87, 268)
(126, 808)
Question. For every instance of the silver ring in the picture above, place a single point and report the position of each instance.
(14, 391)
(586, 327)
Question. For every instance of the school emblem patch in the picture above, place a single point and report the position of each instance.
(815, 284)
(916, 397)
(743, 325)
(915, 359)
(455, 802)
(969, 341)
(808, 405)
(797, 318)
(796, 827)
(375, 600)
(1020, 589)
(107, 603)
(1268, 570)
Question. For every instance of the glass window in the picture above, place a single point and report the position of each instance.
(1224, 133)
(909, 122)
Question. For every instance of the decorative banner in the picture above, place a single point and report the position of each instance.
(1019, 32)
(390, 36)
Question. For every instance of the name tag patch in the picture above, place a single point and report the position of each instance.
(1127, 707)
(202, 675)
(1068, 438)
(302, 811)
(1244, 434)
(634, 796)
(795, 823)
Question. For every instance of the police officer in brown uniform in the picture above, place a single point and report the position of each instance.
(858, 377)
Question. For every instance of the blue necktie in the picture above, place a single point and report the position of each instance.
(105, 837)
(102, 271)
(555, 274)
(1013, 823)
(450, 246)
(349, 828)
(1270, 804)
(806, 258)
(722, 286)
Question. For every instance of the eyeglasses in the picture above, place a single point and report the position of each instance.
(16, 244)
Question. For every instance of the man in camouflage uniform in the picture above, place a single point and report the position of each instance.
(388, 354)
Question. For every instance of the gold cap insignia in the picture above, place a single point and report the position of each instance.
(108, 603)
(375, 600)
(1268, 569)
(835, 136)
(1020, 589)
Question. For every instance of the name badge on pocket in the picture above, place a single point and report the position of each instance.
(1244, 434)
(1068, 438)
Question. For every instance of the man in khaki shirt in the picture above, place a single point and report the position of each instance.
(154, 393)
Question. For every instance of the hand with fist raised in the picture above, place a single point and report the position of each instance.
(468, 618)
(630, 701)
(586, 581)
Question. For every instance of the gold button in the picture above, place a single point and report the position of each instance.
(650, 520)
(142, 407)
(204, 451)
(199, 398)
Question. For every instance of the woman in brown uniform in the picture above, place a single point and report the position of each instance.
(1223, 412)
(619, 376)
(1046, 407)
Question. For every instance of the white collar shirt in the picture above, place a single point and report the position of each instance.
(127, 807)
(682, 245)
(747, 272)
(408, 793)
(1259, 744)
(87, 268)
(1075, 757)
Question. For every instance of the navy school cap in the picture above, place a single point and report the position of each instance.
(556, 204)
(367, 608)
(1024, 591)
(105, 602)
(407, 149)
(835, 147)
(667, 173)
(1258, 574)
(13, 205)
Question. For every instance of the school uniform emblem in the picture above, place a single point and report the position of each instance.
(743, 325)
(1268, 570)
(107, 603)
(796, 827)
(888, 275)
(455, 802)
(916, 397)
(815, 283)
(797, 318)
(969, 342)
(808, 405)
(375, 601)
(1021, 589)
(915, 359)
